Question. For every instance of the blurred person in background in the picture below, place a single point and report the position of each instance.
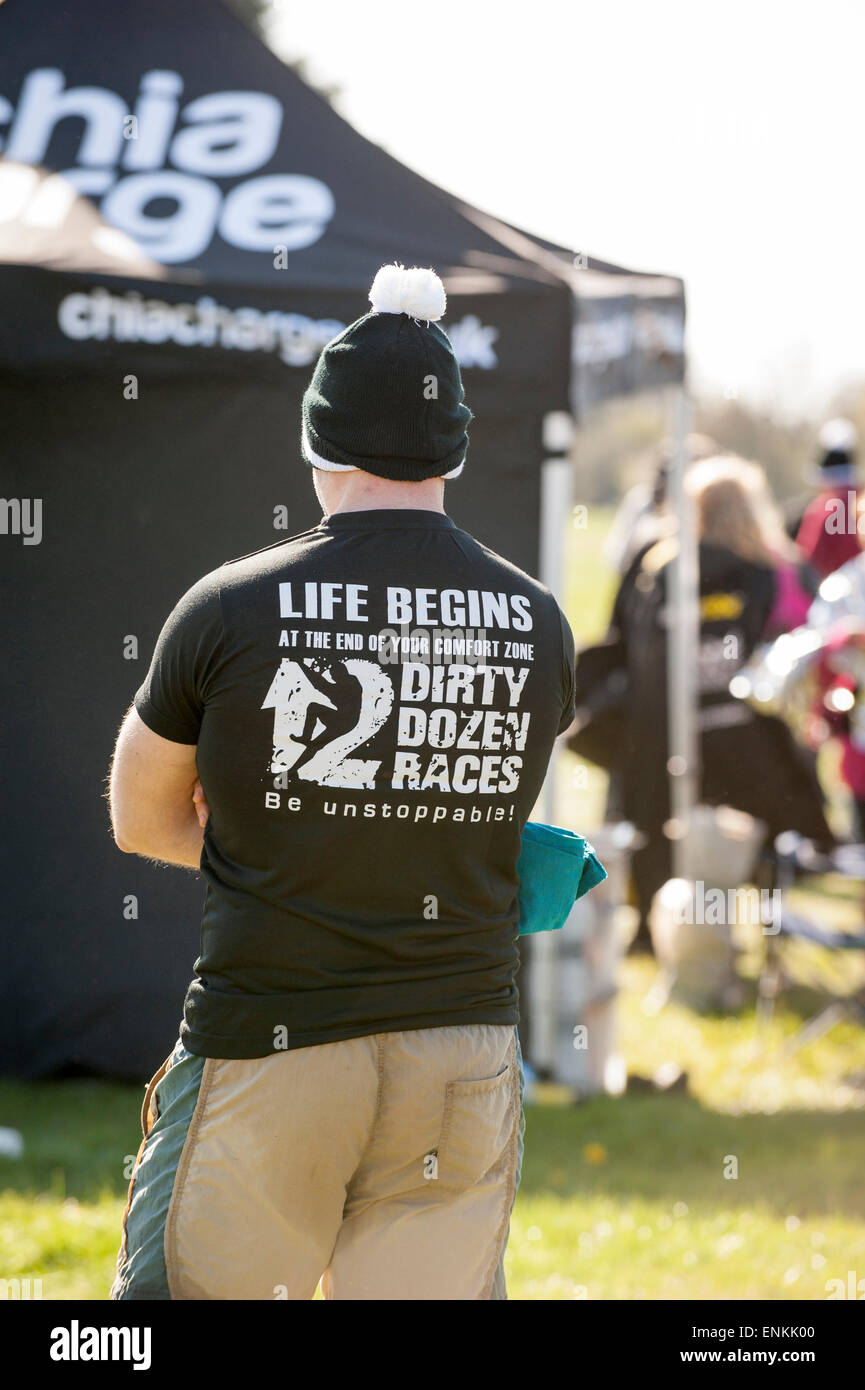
(644, 515)
(825, 536)
(838, 614)
(796, 579)
(749, 577)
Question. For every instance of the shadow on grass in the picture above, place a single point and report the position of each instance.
(672, 1149)
(78, 1136)
(812, 977)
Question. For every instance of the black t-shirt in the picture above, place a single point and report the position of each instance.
(374, 703)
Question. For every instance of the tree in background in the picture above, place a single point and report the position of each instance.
(616, 446)
(253, 13)
(617, 443)
(784, 448)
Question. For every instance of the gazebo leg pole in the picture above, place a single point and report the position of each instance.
(683, 635)
(556, 494)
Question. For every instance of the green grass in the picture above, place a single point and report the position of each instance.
(589, 583)
(621, 1198)
(61, 1205)
(627, 1199)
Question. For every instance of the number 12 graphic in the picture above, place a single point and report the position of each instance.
(322, 715)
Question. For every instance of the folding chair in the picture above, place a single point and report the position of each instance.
(797, 858)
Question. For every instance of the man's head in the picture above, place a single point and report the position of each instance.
(837, 445)
(384, 415)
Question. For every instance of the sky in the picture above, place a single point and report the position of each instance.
(722, 143)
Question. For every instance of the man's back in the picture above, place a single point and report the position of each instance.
(367, 710)
(374, 703)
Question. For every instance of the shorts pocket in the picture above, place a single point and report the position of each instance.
(477, 1127)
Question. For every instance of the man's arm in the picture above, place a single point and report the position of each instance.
(153, 783)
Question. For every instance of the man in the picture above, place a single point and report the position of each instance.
(827, 535)
(361, 716)
(837, 615)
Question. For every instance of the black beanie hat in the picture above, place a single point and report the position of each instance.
(386, 395)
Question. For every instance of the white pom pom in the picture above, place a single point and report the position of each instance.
(396, 290)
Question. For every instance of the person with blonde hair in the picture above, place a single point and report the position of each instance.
(749, 761)
(735, 508)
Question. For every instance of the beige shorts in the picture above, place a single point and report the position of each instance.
(384, 1166)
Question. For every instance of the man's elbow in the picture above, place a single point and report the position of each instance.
(124, 842)
(126, 825)
(127, 837)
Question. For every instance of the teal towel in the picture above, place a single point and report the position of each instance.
(555, 867)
